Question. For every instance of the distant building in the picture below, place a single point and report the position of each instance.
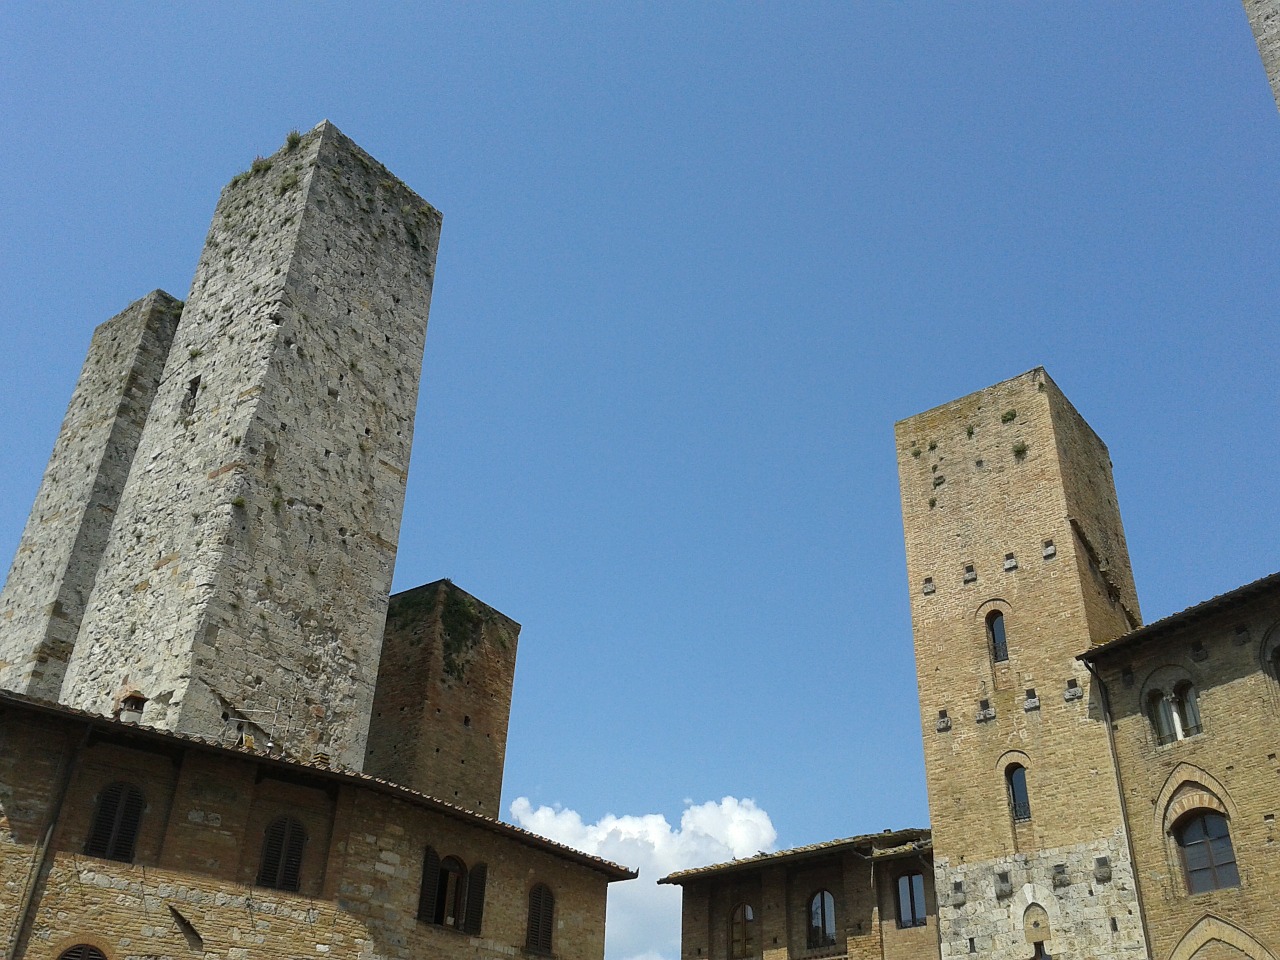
(222, 738)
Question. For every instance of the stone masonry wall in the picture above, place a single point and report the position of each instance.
(191, 892)
(57, 560)
(1264, 19)
(1230, 766)
(1001, 491)
(245, 583)
(443, 696)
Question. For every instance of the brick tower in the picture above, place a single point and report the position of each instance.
(244, 583)
(1017, 562)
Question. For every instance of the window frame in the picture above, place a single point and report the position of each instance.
(742, 931)
(289, 835)
(916, 914)
(1229, 868)
(997, 636)
(1019, 807)
(822, 933)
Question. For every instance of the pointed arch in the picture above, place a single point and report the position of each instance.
(1209, 928)
(1186, 787)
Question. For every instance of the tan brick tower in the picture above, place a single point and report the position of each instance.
(244, 585)
(1017, 562)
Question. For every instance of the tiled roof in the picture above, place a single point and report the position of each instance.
(886, 844)
(1225, 601)
(322, 771)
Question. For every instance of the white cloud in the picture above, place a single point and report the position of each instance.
(643, 921)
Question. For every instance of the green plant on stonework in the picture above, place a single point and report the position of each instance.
(238, 503)
(1019, 449)
(194, 353)
(1009, 416)
(259, 165)
(915, 451)
(933, 445)
(968, 431)
(287, 183)
(292, 140)
(933, 502)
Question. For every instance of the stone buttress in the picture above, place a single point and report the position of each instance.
(1017, 562)
(244, 587)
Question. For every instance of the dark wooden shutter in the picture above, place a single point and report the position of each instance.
(541, 910)
(82, 951)
(430, 880)
(475, 899)
(295, 838)
(114, 831)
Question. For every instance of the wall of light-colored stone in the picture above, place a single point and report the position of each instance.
(247, 573)
(993, 474)
(57, 560)
(1264, 19)
(443, 696)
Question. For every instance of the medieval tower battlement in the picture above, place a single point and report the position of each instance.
(1017, 561)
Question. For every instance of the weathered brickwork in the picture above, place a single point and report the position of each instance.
(191, 887)
(1264, 18)
(57, 560)
(862, 875)
(245, 582)
(1227, 650)
(443, 696)
(1009, 511)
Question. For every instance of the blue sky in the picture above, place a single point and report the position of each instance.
(696, 260)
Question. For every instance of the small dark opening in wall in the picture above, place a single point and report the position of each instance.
(1115, 927)
(984, 704)
(189, 401)
(466, 721)
(942, 714)
(1031, 693)
(1072, 684)
(973, 946)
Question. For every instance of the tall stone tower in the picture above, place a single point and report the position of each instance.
(1264, 20)
(53, 572)
(244, 583)
(1017, 562)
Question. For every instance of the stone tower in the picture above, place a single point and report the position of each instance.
(243, 587)
(443, 697)
(1017, 562)
(53, 572)
(1264, 20)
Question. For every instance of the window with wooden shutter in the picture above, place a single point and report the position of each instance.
(475, 898)
(542, 908)
(430, 880)
(82, 951)
(114, 831)
(282, 846)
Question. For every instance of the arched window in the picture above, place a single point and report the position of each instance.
(82, 951)
(822, 919)
(1160, 713)
(451, 895)
(996, 636)
(1019, 802)
(282, 845)
(911, 900)
(1208, 859)
(542, 910)
(115, 823)
(742, 932)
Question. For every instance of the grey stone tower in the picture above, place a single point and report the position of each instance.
(244, 584)
(1264, 20)
(52, 575)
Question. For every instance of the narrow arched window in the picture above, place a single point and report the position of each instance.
(742, 932)
(996, 636)
(911, 900)
(822, 919)
(451, 892)
(282, 846)
(114, 831)
(1208, 859)
(1186, 704)
(1016, 782)
(82, 951)
(1160, 713)
(542, 910)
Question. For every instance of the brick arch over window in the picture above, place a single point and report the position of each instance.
(995, 622)
(1189, 787)
(1269, 651)
(1209, 930)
